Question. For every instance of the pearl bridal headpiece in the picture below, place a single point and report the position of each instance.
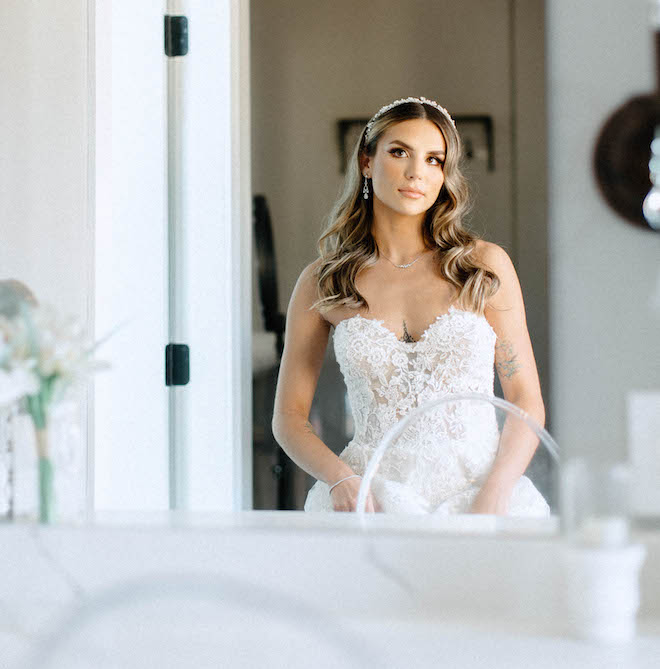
(423, 100)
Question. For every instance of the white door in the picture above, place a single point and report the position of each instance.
(132, 458)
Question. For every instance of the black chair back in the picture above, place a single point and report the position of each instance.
(274, 320)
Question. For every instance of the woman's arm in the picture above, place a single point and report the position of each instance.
(516, 369)
(305, 342)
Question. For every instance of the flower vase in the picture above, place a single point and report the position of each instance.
(45, 476)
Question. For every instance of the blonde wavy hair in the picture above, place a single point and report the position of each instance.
(347, 245)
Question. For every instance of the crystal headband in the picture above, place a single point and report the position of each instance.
(423, 100)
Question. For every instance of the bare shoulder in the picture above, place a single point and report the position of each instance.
(496, 259)
(305, 292)
(309, 271)
(307, 282)
(492, 255)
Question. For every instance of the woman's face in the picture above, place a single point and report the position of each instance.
(410, 155)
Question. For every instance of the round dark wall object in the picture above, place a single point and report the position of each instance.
(622, 154)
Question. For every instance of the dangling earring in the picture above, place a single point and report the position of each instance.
(365, 189)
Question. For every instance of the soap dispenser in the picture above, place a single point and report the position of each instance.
(600, 565)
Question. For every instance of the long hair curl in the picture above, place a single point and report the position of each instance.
(347, 245)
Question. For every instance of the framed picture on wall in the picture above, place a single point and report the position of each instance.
(476, 131)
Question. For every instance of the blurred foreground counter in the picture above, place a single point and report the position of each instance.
(481, 591)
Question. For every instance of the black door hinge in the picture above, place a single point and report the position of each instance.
(177, 365)
(176, 35)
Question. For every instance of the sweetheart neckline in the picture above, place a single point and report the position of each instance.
(379, 322)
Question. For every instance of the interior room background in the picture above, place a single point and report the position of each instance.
(591, 282)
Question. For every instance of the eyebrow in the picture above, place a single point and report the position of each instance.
(398, 141)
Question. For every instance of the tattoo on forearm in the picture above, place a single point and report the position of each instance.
(507, 363)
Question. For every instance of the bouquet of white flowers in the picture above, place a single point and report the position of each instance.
(43, 357)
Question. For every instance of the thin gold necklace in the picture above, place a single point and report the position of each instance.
(407, 264)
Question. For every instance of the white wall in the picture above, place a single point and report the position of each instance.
(45, 229)
(605, 274)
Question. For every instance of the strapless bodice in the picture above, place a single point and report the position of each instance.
(386, 378)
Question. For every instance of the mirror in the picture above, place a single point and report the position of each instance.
(87, 231)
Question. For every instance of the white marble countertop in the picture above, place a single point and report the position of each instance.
(421, 598)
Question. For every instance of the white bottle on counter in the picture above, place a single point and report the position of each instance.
(601, 581)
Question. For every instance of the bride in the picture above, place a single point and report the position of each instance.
(444, 309)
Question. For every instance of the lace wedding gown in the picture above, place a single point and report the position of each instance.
(441, 460)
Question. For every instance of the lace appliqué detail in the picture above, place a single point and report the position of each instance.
(438, 463)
